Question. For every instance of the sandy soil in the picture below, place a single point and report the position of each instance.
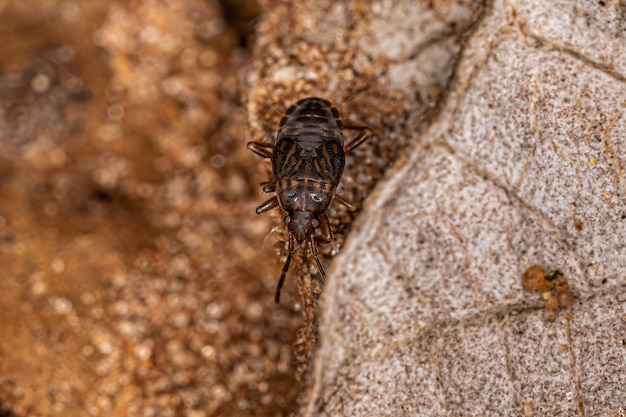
(135, 277)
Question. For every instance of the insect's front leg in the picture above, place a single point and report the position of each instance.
(325, 230)
(346, 203)
(269, 186)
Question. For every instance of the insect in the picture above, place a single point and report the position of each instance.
(307, 158)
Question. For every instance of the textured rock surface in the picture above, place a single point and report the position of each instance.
(425, 313)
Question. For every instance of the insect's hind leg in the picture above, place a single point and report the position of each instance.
(325, 230)
(264, 150)
(350, 146)
(365, 133)
(355, 127)
(346, 203)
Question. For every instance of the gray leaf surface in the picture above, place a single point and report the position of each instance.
(424, 311)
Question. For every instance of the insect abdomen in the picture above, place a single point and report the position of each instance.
(311, 113)
(309, 143)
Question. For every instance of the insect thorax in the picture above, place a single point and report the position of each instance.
(304, 195)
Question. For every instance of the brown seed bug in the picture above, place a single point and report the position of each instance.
(307, 161)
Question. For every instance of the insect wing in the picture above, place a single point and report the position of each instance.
(287, 160)
(328, 162)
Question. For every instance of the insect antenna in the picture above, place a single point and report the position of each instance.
(349, 97)
(274, 108)
(285, 269)
(276, 230)
(282, 279)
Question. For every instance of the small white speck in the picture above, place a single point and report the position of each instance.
(149, 35)
(212, 327)
(62, 305)
(70, 11)
(39, 288)
(208, 351)
(87, 298)
(115, 112)
(40, 83)
(105, 348)
(58, 265)
(180, 320)
(72, 83)
(143, 351)
(87, 350)
(242, 404)
(254, 311)
(217, 161)
(215, 310)
(65, 53)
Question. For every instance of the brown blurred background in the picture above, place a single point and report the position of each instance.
(135, 278)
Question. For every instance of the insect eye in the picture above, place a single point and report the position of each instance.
(315, 223)
(286, 220)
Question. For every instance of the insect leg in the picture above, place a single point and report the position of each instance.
(317, 259)
(285, 268)
(354, 127)
(268, 205)
(346, 203)
(269, 187)
(325, 230)
(264, 150)
(348, 147)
